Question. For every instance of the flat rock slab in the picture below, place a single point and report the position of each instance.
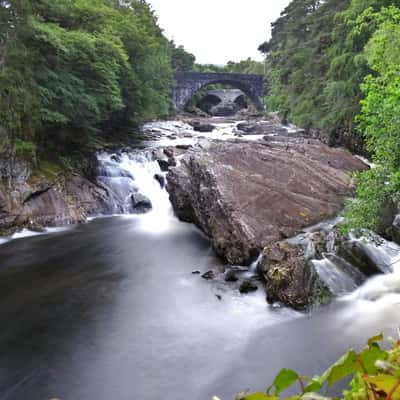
(245, 195)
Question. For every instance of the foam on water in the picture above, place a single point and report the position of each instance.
(26, 233)
(142, 168)
(178, 130)
(385, 287)
(337, 280)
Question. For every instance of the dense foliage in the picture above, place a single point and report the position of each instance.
(248, 66)
(72, 68)
(379, 120)
(181, 59)
(375, 374)
(316, 64)
(334, 66)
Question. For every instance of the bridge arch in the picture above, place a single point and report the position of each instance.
(188, 83)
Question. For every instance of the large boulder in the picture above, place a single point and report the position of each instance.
(47, 197)
(141, 204)
(245, 195)
(199, 126)
(290, 279)
(262, 128)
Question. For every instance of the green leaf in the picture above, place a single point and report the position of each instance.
(285, 379)
(260, 396)
(375, 339)
(345, 366)
(386, 383)
(314, 385)
(369, 357)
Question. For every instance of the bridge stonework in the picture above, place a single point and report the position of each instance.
(188, 83)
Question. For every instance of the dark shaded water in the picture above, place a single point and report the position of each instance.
(109, 310)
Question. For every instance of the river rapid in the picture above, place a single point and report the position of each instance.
(111, 309)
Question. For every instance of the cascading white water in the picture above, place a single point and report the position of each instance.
(254, 265)
(128, 175)
(385, 287)
(131, 176)
(337, 280)
(380, 251)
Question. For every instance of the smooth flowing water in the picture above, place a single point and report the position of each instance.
(111, 310)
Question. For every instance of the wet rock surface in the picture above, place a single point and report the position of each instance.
(199, 126)
(247, 286)
(290, 279)
(141, 203)
(262, 128)
(32, 199)
(245, 195)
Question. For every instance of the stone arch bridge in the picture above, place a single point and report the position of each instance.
(188, 83)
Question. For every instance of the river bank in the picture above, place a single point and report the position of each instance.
(127, 289)
(111, 309)
(247, 184)
(39, 193)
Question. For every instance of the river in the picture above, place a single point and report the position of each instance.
(111, 310)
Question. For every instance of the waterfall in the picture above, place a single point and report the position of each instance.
(387, 255)
(339, 280)
(135, 184)
(130, 180)
(254, 265)
(381, 252)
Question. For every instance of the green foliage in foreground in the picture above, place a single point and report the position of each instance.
(374, 373)
(379, 120)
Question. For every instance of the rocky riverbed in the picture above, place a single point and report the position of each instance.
(249, 185)
(146, 292)
(245, 195)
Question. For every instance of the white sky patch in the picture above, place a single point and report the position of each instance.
(218, 31)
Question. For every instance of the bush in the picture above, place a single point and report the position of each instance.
(374, 372)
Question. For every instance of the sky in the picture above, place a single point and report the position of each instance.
(218, 31)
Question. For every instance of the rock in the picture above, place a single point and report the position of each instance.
(218, 296)
(141, 204)
(289, 279)
(393, 231)
(169, 152)
(34, 199)
(107, 169)
(172, 162)
(184, 146)
(202, 127)
(245, 195)
(230, 276)
(262, 128)
(208, 275)
(224, 110)
(116, 158)
(164, 165)
(35, 227)
(364, 254)
(160, 179)
(247, 286)
(196, 111)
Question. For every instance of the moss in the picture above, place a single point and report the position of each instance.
(24, 148)
(47, 170)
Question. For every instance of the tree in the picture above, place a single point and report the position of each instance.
(72, 69)
(181, 59)
(379, 120)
